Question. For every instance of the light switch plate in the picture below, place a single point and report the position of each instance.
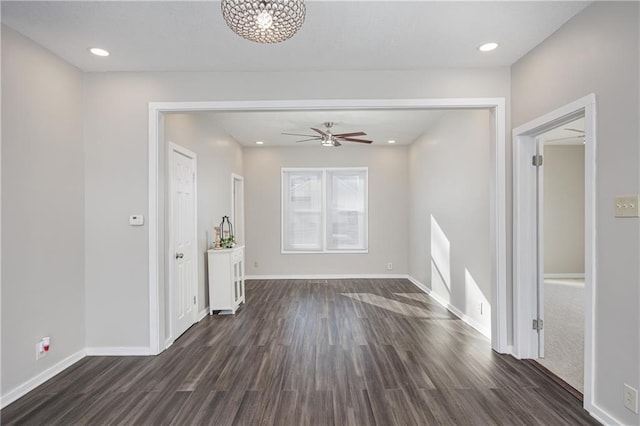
(136, 220)
(627, 206)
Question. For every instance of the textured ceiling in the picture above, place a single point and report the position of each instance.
(337, 35)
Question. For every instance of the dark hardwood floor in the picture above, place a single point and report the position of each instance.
(346, 352)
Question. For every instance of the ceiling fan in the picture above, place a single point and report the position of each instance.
(580, 135)
(327, 138)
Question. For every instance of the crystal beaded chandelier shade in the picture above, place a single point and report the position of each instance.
(264, 21)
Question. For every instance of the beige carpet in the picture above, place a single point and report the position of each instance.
(564, 330)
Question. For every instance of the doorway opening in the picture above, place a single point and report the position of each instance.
(159, 333)
(554, 243)
(561, 209)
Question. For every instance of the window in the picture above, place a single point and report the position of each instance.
(324, 210)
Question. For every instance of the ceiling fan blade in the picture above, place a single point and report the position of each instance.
(299, 134)
(347, 135)
(575, 130)
(307, 140)
(355, 140)
(319, 131)
(565, 139)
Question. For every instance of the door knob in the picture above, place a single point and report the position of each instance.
(179, 255)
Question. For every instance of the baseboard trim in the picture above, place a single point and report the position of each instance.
(203, 313)
(325, 277)
(418, 284)
(119, 351)
(565, 276)
(36, 381)
(168, 343)
(169, 340)
(601, 415)
(486, 332)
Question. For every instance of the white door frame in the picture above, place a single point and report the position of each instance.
(169, 256)
(498, 229)
(525, 235)
(237, 178)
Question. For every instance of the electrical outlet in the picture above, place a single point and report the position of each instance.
(390, 266)
(630, 398)
(42, 347)
(40, 352)
(256, 264)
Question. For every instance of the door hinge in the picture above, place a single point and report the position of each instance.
(194, 300)
(538, 324)
(537, 160)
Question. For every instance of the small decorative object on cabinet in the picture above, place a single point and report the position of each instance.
(216, 243)
(228, 240)
(226, 279)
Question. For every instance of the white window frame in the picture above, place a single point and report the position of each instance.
(324, 170)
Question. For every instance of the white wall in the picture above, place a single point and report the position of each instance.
(218, 156)
(449, 175)
(42, 209)
(563, 209)
(116, 120)
(388, 199)
(598, 51)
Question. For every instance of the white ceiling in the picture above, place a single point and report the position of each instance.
(337, 35)
(403, 126)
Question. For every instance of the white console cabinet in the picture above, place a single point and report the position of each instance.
(226, 280)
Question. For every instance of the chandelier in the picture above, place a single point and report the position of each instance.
(264, 21)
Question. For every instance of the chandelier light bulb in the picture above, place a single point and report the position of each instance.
(264, 20)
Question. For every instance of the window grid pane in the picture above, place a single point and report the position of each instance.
(346, 191)
(302, 214)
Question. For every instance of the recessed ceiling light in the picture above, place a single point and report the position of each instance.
(391, 141)
(259, 143)
(98, 52)
(487, 47)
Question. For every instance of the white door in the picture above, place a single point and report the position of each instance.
(182, 239)
(540, 246)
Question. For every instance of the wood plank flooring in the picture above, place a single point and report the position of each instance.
(345, 352)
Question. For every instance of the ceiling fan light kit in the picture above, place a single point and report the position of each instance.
(264, 21)
(327, 138)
